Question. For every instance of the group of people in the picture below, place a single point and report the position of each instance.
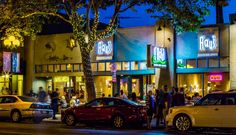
(159, 103)
(55, 100)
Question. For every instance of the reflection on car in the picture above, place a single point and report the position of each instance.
(22, 107)
(118, 112)
(214, 110)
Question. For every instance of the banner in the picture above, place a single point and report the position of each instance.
(15, 62)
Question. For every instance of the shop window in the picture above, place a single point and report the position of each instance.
(50, 68)
(57, 68)
(202, 63)
(224, 62)
(69, 67)
(118, 65)
(126, 66)
(38, 69)
(101, 66)
(213, 62)
(191, 64)
(63, 68)
(143, 65)
(108, 66)
(94, 66)
(45, 68)
(76, 68)
(134, 65)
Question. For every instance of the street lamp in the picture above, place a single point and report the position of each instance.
(12, 42)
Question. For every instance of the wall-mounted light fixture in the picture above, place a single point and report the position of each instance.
(71, 43)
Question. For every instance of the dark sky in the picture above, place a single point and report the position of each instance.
(141, 18)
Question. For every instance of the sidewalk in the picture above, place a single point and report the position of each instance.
(58, 120)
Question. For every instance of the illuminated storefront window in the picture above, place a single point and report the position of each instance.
(126, 66)
(213, 62)
(134, 65)
(101, 66)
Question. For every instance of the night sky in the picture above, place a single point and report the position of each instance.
(141, 18)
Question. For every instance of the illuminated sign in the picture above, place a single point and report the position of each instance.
(216, 77)
(181, 63)
(208, 42)
(158, 57)
(104, 49)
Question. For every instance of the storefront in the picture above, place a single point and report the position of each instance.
(203, 60)
(122, 63)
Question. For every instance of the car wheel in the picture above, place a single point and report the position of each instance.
(70, 120)
(118, 122)
(182, 122)
(37, 120)
(16, 116)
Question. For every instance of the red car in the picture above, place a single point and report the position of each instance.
(118, 112)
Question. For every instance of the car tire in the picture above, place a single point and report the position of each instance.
(70, 120)
(182, 122)
(37, 120)
(16, 116)
(118, 121)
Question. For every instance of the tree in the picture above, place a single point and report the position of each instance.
(83, 16)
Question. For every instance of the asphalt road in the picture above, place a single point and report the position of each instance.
(50, 128)
(56, 128)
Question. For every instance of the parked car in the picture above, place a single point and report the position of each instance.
(214, 110)
(22, 107)
(118, 112)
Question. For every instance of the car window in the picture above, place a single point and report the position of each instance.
(10, 100)
(27, 99)
(2, 100)
(96, 103)
(228, 100)
(210, 100)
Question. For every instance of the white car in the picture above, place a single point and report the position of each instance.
(22, 107)
(214, 110)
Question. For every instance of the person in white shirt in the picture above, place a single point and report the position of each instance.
(122, 95)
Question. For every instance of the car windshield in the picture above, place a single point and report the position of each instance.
(130, 102)
(27, 99)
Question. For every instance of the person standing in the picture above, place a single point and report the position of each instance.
(150, 108)
(160, 102)
(42, 95)
(122, 95)
(178, 98)
(54, 104)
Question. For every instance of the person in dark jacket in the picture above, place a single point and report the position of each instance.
(178, 98)
(54, 104)
(150, 108)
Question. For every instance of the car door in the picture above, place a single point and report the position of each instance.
(89, 111)
(105, 111)
(2, 107)
(207, 112)
(7, 105)
(228, 110)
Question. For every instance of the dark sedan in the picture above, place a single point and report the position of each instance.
(118, 112)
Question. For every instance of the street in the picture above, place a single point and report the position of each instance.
(51, 128)
(46, 128)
